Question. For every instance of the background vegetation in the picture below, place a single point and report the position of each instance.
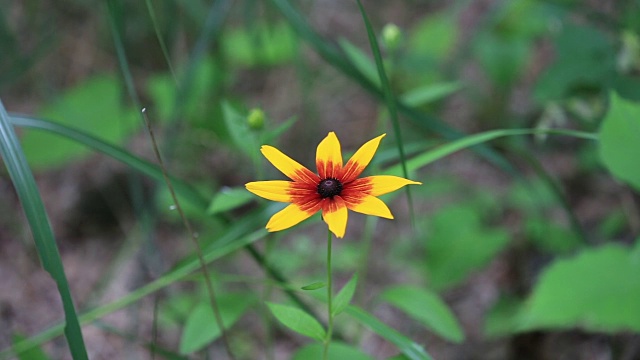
(520, 117)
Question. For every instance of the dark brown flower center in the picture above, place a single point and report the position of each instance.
(329, 187)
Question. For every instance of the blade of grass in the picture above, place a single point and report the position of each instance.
(332, 55)
(474, 140)
(163, 46)
(143, 166)
(167, 279)
(391, 102)
(236, 231)
(126, 72)
(36, 214)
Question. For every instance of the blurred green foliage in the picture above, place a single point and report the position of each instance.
(579, 68)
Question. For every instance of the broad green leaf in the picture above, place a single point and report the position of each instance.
(201, 327)
(427, 308)
(337, 351)
(597, 290)
(620, 140)
(551, 237)
(93, 106)
(314, 286)
(578, 63)
(502, 318)
(460, 243)
(435, 36)
(229, 198)
(344, 296)
(409, 348)
(298, 321)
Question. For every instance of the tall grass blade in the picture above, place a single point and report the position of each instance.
(46, 246)
(440, 152)
(335, 58)
(389, 99)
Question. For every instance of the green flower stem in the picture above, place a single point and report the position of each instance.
(327, 340)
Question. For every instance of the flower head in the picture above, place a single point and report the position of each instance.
(333, 190)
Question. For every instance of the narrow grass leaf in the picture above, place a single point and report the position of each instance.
(426, 307)
(388, 97)
(298, 321)
(314, 286)
(409, 348)
(46, 246)
(472, 140)
(229, 198)
(115, 152)
(344, 296)
(337, 59)
(430, 93)
(361, 61)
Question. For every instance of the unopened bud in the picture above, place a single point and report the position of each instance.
(391, 36)
(256, 119)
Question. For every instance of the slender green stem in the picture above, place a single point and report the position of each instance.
(327, 341)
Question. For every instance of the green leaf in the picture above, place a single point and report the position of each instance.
(597, 290)
(620, 140)
(460, 243)
(35, 353)
(502, 318)
(93, 106)
(36, 214)
(427, 308)
(430, 93)
(201, 327)
(337, 351)
(261, 44)
(239, 131)
(298, 321)
(578, 63)
(360, 60)
(344, 296)
(229, 198)
(314, 286)
(409, 348)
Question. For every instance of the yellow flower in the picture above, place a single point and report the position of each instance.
(334, 189)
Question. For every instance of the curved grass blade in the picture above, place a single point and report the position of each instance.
(405, 345)
(390, 100)
(477, 139)
(145, 167)
(36, 214)
(167, 279)
(232, 240)
(337, 59)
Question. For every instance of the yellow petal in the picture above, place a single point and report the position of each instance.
(329, 157)
(368, 205)
(377, 185)
(335, 214)
(288, 217)
(294, 170)
(359, 161)
(274, 190)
